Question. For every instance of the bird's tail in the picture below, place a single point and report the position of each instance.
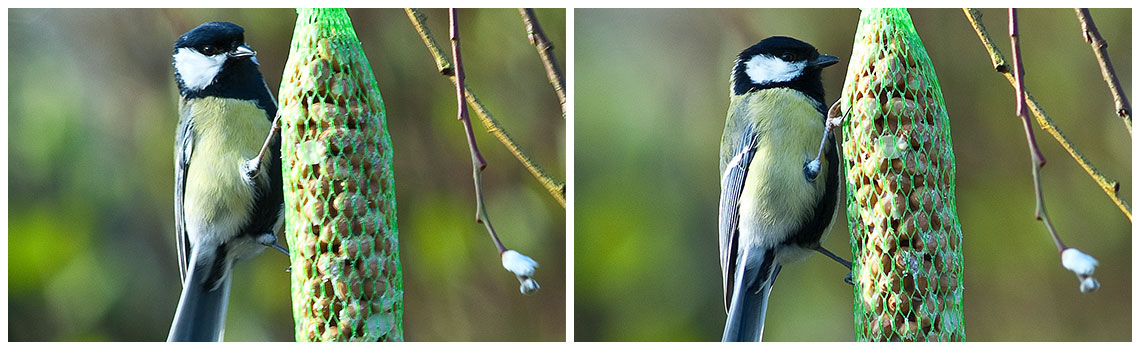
(201, 314)
(750, 298)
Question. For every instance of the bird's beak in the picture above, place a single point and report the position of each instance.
(242, 51)
(824, 61)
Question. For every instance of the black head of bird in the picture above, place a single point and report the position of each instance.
(214, 60)
(780, 61)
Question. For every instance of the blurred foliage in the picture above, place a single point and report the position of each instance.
(651, 98)
(92, 111)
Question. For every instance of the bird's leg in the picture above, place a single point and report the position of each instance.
(834, 119)
(270, 240)
(831, 255)
(839, 260)
(252, 167)
(280, 248)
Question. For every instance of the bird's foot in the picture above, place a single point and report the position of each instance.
(270, 240)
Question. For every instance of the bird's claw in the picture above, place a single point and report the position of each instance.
(834, 116)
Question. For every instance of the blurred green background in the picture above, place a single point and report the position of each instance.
(651, 95)
(91, 118)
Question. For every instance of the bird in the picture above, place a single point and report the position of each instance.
(228, 194)
(774, 210)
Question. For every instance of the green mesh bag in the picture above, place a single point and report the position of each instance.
(340, 203)
(899, 163)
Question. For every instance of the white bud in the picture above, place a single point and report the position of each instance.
(1089, 285)
(1080, 263)
(528, 285)
(1083, 265)
(523, 268)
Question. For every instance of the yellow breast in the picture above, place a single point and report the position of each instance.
(228, 132)
(776, 197)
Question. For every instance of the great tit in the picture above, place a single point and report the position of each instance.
(225, 211)
(772, 211)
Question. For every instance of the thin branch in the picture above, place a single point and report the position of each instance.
(546, 52)
(996, 58)
(1110, 187)
(477, 161)
(556, 188)
(476, 157)
(1022, 107)
(1100, 49)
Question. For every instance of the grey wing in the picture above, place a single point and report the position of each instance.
(731, 186)
(183, 147)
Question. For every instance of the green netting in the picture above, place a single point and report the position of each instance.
(340, 202)
(906, 238)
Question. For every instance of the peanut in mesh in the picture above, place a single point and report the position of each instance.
(341, 165)
(900, 176)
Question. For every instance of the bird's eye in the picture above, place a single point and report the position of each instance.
(787, 56)
(209, 50)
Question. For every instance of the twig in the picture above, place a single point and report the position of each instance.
(555, 188)
(1022, 107)
(1109, 186)
(1100, 49)
(477, 161)
(1080, 263)
(546, 52)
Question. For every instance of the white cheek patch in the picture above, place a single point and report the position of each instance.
(767, 69)
(197, 70)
